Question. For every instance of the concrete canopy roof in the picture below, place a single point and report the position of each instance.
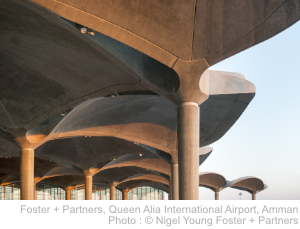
(9, 179)
(88, 153)
(250, 184)
(151, 162)
(41, 49)
(213, 181)
(11, 166)
(8, 149)
(150, 120)
(167, 30)
(83, 152)
(120, 174)
(65, 181)
(3, 176)
(147, 162)
(38, 48)
(75, 162)
(66, 177)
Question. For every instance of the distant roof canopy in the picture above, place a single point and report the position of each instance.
(217, 182)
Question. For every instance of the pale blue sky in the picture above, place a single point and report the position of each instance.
(264, 142)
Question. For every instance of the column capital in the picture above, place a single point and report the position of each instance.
(88, 173)
(114, 184)
(69, 188)
(194, 81)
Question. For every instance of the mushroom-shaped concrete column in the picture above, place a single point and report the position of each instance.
(250, 184)
(88, 187)
(25, 139)
(194, 90)
(213, 181)
(68, 192)
(112, 190)
(27, 174)
(59, 171)
(159, 116)
(125, 194)
(26, 163)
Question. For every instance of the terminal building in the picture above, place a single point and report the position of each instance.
(119, 98)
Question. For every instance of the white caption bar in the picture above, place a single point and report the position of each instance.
(149, 214)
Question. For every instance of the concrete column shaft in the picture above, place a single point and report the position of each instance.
(68, 194)
(170, 189)
(188, 134)
(27, 174)
(175, 182)
(34, 191)
(88, 187)
(112, 191)
(125, 195)
(216, 195)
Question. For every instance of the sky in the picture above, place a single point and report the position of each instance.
(264, 142)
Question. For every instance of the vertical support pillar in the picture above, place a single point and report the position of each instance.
(175, 182)
(216, 195)
(27, 174)
(34, 191)
(188, 135)
(125, 194)
(112, 191)
(88, 187)
(170, 189)
(253, 196)
(68, 193)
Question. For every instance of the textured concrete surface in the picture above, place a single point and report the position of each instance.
(156, 53)
(250, 184)
(156, 122)
(187, 29)
(45, 50)
(214, 181)
(80, 135)
(217, 183)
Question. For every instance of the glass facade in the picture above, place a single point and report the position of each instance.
(49, 192)
(100, 192)
(145, 193)
(42, 192)
(10, 192)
